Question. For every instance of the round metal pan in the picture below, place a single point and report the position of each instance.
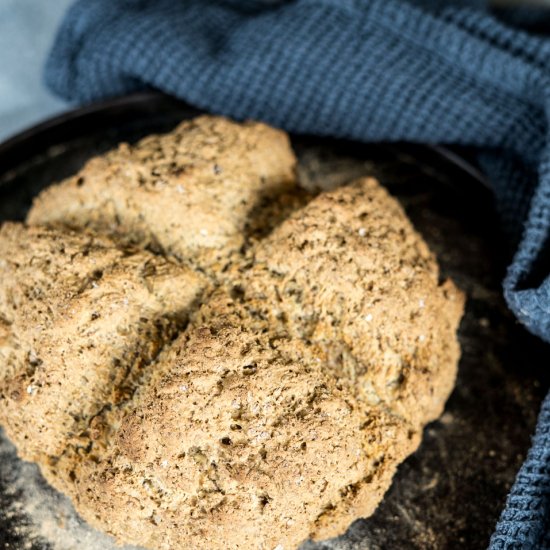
(449, 494)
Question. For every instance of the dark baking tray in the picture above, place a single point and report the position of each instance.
(450, 492)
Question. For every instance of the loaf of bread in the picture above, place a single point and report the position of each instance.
(233, 388)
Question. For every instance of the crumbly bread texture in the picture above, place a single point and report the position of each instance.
(264, 403)
(187, 194)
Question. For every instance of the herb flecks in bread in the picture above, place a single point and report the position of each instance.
(292, 351)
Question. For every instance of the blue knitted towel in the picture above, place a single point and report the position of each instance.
(367, 70)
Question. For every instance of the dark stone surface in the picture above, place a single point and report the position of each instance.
(450, 492)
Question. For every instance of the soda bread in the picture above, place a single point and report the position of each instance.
(235, 387)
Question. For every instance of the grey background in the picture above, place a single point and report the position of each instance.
(27, 28)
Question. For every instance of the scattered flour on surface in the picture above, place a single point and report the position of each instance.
(44, 518)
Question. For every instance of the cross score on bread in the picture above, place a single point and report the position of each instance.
(202, 355)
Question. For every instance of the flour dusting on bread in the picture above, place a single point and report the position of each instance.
(200, 354)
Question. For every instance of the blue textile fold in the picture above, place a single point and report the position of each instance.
(369, 70)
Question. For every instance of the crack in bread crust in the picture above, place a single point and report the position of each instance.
(274, 384)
